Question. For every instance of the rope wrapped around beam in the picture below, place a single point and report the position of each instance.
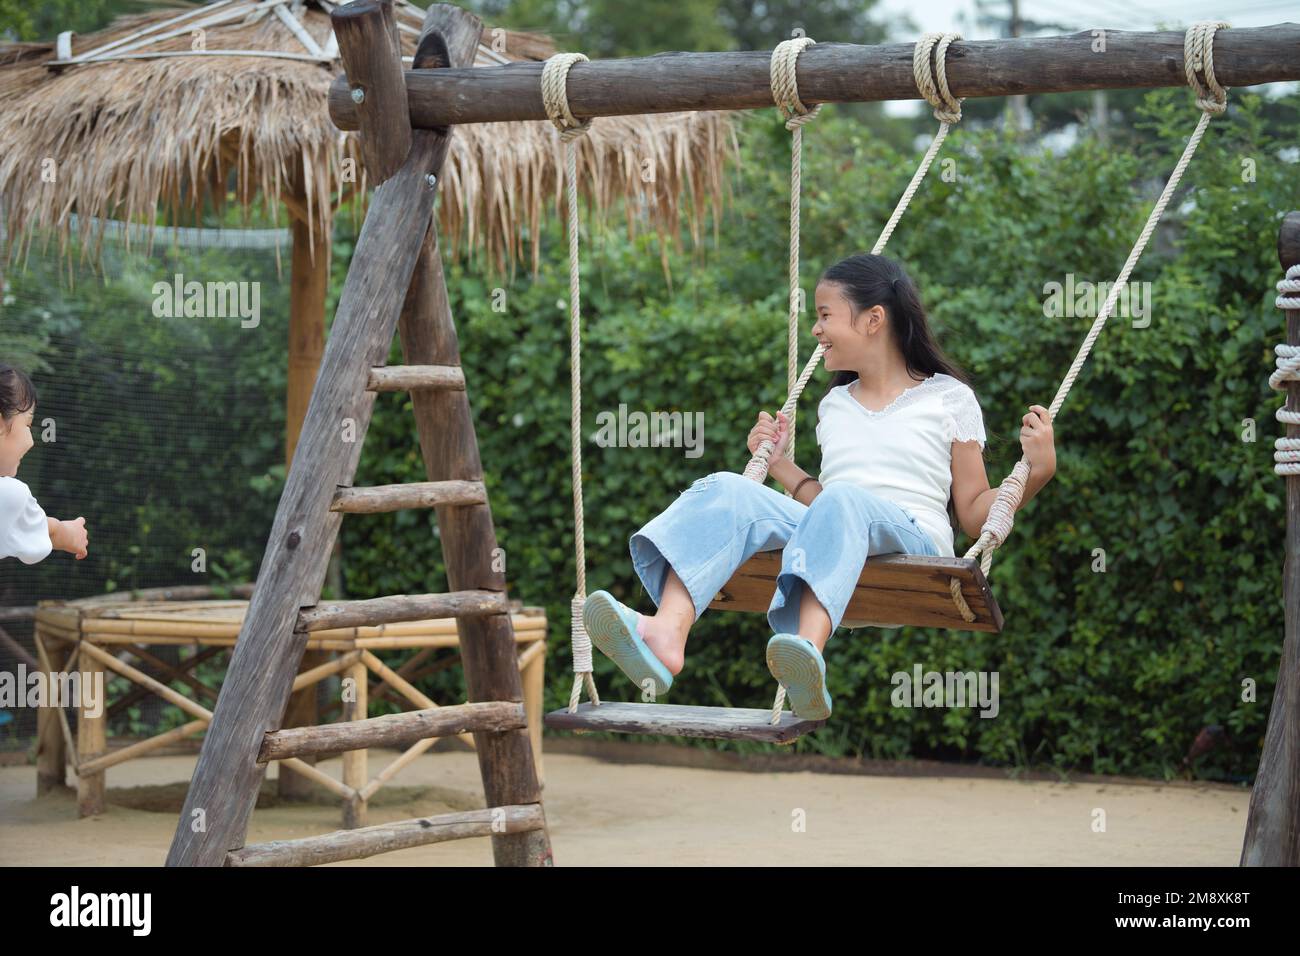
(555, 96)
(1286, 451)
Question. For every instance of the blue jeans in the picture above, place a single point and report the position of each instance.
(720, 521)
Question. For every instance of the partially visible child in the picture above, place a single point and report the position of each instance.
(26, 533)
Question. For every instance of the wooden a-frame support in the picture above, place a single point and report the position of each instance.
(395, 282)
(1273, 821)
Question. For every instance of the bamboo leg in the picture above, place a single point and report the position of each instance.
(354, 761)
(301, 713)
(51, 750)
(169, 673)
(138, 693)
(378, 689)
(92, 742)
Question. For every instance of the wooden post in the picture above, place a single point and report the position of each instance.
(91, 743)
(223, 790)
(533, 676)
(354, 761)
(367, 32)
(51, 749)
(1273, 821)
(469, 546)
(309, 281)
(308, 288)
(832, 72)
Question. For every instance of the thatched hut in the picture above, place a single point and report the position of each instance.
(165, 112)
(162, 111)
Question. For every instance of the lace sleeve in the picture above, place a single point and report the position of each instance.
(965, 419)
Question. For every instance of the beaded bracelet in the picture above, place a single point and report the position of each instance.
(795, 493)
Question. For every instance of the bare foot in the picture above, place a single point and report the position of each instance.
(665, 640)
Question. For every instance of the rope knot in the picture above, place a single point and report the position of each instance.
(555, 96)
(1286, 451)
(932, 75)
(802, 119)
(785, 85)
(1198, 57)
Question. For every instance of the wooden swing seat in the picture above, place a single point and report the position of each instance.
(893, 590)
(681, 720)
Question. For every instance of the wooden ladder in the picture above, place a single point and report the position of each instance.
(395, 281)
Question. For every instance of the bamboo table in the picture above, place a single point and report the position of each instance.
(93, 634)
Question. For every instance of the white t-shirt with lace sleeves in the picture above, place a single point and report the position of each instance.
(24, 530)
(902, 452)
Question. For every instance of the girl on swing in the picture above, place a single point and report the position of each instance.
(901, 433)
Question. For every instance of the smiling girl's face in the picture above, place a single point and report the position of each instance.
(848, 343)
(16, 441)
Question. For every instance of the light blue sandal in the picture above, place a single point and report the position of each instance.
(612, 627)
(797, 664)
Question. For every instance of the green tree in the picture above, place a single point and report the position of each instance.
(762, 24)
(46, 20)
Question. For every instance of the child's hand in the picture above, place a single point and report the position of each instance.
(73, 538)
(775, 430)
(1037, 441)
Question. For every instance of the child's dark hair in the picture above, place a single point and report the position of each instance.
(869, 280)
(17, 393)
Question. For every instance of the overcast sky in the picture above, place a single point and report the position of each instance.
(1075, 15)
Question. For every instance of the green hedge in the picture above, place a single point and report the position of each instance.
(1112, 672)
(1106, 672)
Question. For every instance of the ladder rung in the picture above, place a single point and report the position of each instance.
(415, 494)
(401, 607)
(385, 837)
(393, 730)
(402, 378)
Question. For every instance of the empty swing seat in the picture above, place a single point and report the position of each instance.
(681, 720)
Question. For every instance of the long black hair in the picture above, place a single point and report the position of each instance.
(17, 393)
(869, 280)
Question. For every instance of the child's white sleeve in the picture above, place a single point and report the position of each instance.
(24, 528)
(965, 419)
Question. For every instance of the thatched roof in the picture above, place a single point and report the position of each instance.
(151, 122)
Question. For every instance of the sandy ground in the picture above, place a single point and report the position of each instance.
(636, 814)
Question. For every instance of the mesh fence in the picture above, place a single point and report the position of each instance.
(160, 377)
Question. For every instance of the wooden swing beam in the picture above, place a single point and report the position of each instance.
(835, 73)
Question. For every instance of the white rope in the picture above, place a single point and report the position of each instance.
(1198, 56)
(931, 77)
(1286, 451)
(555, 97)
(785, 92)
(928, 68)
